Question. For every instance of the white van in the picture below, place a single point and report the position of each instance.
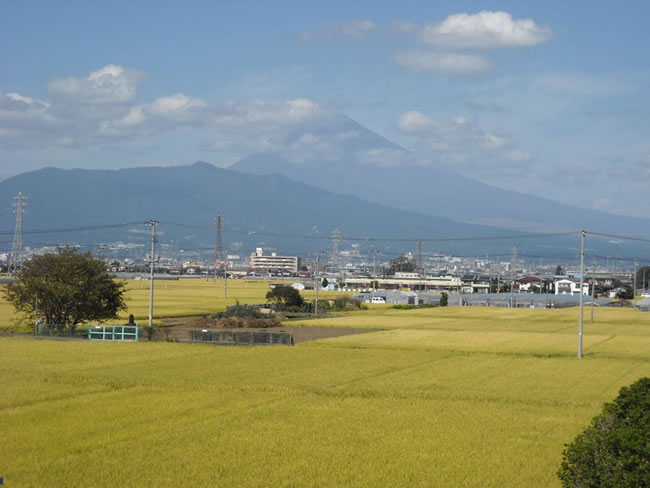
(378, 300)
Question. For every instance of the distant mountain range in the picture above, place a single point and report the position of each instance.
(433, 190)
(269, 201)
(269, 211)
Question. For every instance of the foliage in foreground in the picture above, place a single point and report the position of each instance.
(66, 288)
(284, 296)
(614, 451)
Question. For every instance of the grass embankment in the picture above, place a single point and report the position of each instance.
(444, 397)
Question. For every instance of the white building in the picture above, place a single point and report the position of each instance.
(288, 264)
(568, 286)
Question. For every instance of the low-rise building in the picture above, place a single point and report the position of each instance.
(569, 286)
(287, 264)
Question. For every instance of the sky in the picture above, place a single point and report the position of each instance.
(548, 98)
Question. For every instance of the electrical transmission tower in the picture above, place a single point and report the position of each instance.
(17, 248)
(336, 238)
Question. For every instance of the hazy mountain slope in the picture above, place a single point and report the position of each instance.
(436, 191)
(193, 195)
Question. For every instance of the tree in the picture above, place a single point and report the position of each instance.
(614, 451)
(444, 299)
(284, 296)
(67, 288)
(325, 283)
(559, 271)
(401, 264)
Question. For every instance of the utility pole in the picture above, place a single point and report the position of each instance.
(336, 238)
(317, 279)
(593, 288)
(153, 224)
(16, 262)
(420, 268)
(582, 296)
(225, 275)
(218, 253)
(374, 252)
(634, 282)
(512, 276)
(101, 251)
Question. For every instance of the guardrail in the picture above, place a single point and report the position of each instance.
(113, 332)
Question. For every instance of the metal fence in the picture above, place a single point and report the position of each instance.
(113, 333)
(242, 337)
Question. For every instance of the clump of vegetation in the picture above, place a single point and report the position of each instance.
(346, 303)
(238, 310)
(234, 322)
(444, 299)
(284, 297)
(65, 289)
(614, 451)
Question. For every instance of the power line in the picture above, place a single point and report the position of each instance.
(77, 229)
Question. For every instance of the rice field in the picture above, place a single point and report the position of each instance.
(439, 397)
(175, 298)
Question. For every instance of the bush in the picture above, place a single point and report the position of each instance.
(614, 451)
(240, 311)
(444, 299)
(346, 303)
(284, 297)
(234, 322)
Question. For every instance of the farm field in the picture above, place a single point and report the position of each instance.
(176, 298)
(441, 397)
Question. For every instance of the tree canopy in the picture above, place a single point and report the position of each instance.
(67, 288)
(401, 264)
(614, 451)
(284, 296)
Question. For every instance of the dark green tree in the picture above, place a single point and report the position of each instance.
(67, 288)
(444, 299)
(401, 264)
(284, 296)
(614, 451)
(325, 283)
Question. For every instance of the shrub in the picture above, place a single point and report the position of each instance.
(346, 303)
(614, 451)
(284, 297)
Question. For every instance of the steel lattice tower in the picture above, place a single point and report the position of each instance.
(17, 248)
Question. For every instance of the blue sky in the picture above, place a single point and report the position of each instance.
(550, 98)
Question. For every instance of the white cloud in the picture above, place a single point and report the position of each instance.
(447, 63)
(358, 29)
(484, 30)
(461, 143)
(413, 122)
(175, 104)
(110, 84)
(384, 156)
